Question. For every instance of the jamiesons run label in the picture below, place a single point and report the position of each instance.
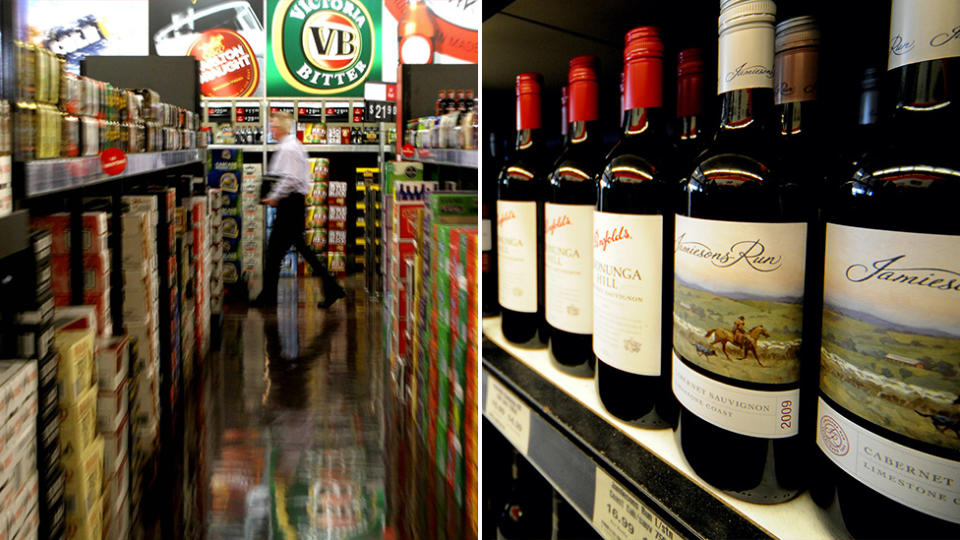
(745, 60)
(738, 297)
(926, 483)
(627, 291)
(923, 31)
(517, 255)
(890, 352)
(755, 413)
(568, 241)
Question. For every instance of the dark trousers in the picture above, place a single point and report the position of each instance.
(288, 229)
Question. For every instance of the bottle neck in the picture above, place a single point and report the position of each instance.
(745, 111)
(924, 104)
(528, 140)
(642, 122)
(689, 106)
(581, 133)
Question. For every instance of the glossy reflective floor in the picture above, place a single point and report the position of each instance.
(288, 436)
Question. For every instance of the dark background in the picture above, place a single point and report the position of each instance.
(542, 36)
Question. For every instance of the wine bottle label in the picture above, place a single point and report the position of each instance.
(568, 239)
(628, 291)
(890, 352)
(926, 483)
(517, 255)
(923, 31)
(738, 297)
(745, 59)
(754, 413)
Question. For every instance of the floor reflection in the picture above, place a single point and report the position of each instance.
(294, 421)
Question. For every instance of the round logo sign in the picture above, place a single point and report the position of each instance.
(228, 65)
(833, 436)
(113, 161)
(324, 47)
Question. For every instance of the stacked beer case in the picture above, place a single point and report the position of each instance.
(81, 447)
(216, 264)
(185, 279)
(317, 211)
(202, 256)
(113, 424)
(226, 169)
(337, 229)
(253, 237)
(19, 482)
(96, 263)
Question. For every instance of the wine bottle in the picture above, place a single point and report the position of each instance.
(520, 189)
(888, 408)
(633, 249)
(739, 272)
(417, 33)
(568, 227)
(690, 135)
(488, 233)
(527, 515)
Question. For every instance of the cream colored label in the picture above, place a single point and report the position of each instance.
(923, 30)
(568, 240)
(926, 483)
(6, 187)
(517, 255)
(628, 291)
(890, 352)
(755, 413)
(738, 297)
(508, 413)
(618, 515)
(745, 59)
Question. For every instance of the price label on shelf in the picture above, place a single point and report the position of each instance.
(618, 515)
(248, 114)
(380, 111)
(508, 413)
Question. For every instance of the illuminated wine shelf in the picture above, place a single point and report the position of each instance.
(556, 420)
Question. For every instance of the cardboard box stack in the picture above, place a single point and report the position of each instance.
(202, 261)
(81, 448)
(113, 424)
(369, 225)
(226, 170)
(96, 262)
(19, 482)
(186, 276)
(317, 210)
(216, 259)
(253, 239)
(337, 229)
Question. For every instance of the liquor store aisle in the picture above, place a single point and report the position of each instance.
(286, 437)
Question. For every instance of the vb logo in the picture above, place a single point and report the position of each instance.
(331, 41)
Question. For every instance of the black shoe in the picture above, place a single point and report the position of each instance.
(331, 297)
(264, 302)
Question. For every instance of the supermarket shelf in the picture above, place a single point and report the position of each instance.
(244, 147)
(557, 421)
(362, 148)
(444, 156)
(15, 231)
(43, 177)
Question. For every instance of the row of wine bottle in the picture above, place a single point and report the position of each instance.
(814, 302)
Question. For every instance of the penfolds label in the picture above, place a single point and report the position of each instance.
(517, 255)
(745, 59)
(568, 241)
(923, 31)
(628, 291)
(890, 348)
(738, 297)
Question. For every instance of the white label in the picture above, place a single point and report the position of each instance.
(745, 59)
(922, 31)
(487, 237)
(738, 297)
(926, 483)
(510, 415)
(755, 413)
(628, 291)
(517, 255)
(568, 238)
(618, 515)
(6, 187)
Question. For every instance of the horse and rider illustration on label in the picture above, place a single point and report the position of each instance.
(738, 298)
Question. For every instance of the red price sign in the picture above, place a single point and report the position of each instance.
(113, 161)
(407, 151)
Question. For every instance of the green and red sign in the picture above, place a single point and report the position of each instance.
(322, 47)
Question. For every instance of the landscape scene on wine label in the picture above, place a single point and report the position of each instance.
(904, 379)
(766, 349)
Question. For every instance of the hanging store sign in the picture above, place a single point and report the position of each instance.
(228, 65)
(429, 32)
(322, 47)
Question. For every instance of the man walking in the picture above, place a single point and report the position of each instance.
(289, 164)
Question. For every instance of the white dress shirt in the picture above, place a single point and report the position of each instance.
(289, 163)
